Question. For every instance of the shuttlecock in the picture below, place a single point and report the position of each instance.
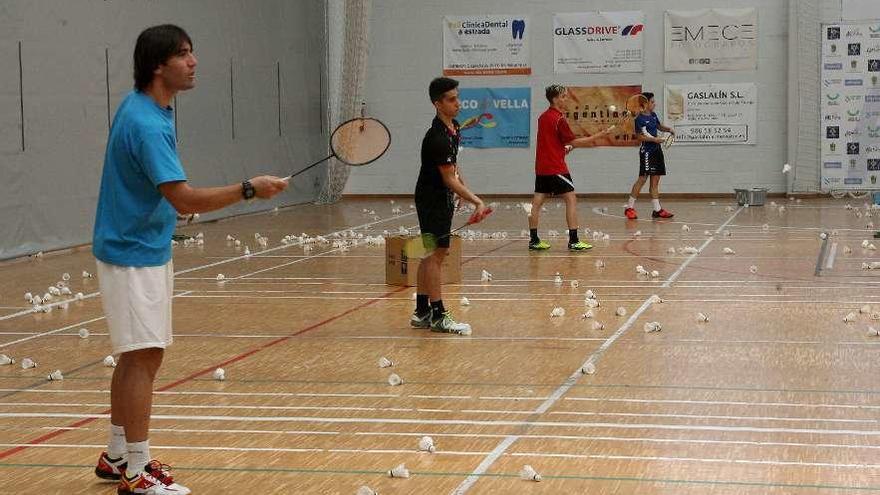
(589, 294)
(426, 444)
(728, 250)
(847, 250)
(873, 332)
(753, 269)
(28, 363)
(574, 284)
(55, 375)
(394, 379)
(247, 251)
(621, 311)
(86, 274)
(655, 273)
(587, 315)
(589, 369)
(690, 250)
(612, 108)
(465, 301)
(823, 236)
(28, 297)
(5, 360)
(365, 490)
(384, 362)
(591, 303)
(600, 264)
(786, 168)
(712, 203)
(237, 243)
(485, 276)
(641, 270)
(872, 247)
(65, 291)
(849, 318)
(110, 362)
(637, 233)
(671, 250)
(606, 237)
(557, 279)
(865, 243)
(79, 296)
(652, 326)
(528, 473)
(866, 309)
(685, 228)
(47, 297)
(83, 333)
(765, 227)
(399, 471)
(598, 326)
(527, 207)
(221, 277)
(557, 312)
(219, 374)
(702, 318)
(706, 232)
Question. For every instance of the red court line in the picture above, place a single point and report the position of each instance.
(48, 436)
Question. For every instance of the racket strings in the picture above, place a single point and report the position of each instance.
(360, 141)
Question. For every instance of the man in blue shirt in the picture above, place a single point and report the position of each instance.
(651, 161)
(143, 186)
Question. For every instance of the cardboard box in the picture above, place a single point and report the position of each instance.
(400, 269)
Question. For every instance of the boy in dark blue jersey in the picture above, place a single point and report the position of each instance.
(651, 161)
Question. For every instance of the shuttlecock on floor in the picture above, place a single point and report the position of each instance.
(873, 332)
(706, 232)
(823, 236)
(28, 297)
(728, 250)
(221, 277)
(685, 228)
(606, 237)
(589, 294)
(426, 444)
(237, 243)
(247, 251)
(28, 363)
(872, 247)
(671, 250)
(621, 311)
(527, 207)
(528, 473)
(65, 291)
(485, 276)
(557, 279)
(690, 250)
(591, 303)
(365, 490)
(849, 318)
(598, 326)
(765, 227)
(702, 318)
(384, 362)
(219, 374)
(588, 369)
(652, 326)
(6, 360)
(641, 270)
(587, 315)
(865, 243)
(753, 269)
(79, 296)
(109, 362)
(399, 471)
(655, 273)
(637, 233)
(865, 309)
(465, 301)
(600, 264)
(574, 284)
(55, 375)
(875, 315)
(847, 250)
(394, 380)
(786, 168)
(83, 333)
(86, 274)
(557, 312)
(712, 203)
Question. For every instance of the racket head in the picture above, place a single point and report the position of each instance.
(636, 104)
(668, 141)
(360, 141)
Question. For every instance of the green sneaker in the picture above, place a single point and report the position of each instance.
(446, 324)
(579, 246)
(539, 246)
(417, 321)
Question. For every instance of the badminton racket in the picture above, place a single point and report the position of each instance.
(425, 244)
(668, 141)
(356, 142)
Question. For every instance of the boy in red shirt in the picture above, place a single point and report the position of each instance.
(552, 177)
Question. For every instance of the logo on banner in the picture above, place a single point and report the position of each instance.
(832, 82)
(483, 27)
(714, 35)
(852, 148)
(832, 100)
(873, 164)
(873, 132)
(852, 133)
(853, 115)
(873, 65)
(852, 98)
(834, 66)
(853, 180)
(831, 117)
(833, 33)
(854, 33)
(853, 82)
(631, 30)
(832, 165)
(832, 132)
(854, 49)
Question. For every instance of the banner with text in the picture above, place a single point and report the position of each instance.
(711, 39)
(592, 109)
(712, 113)
(495, 117)
(850, 106)
(593, 42)
(485, 45)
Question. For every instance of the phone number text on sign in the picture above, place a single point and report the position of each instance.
(715, 133)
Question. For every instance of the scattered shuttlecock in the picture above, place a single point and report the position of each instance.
(641, 270)
(557, 312)
(55, 375)
(527, 207)
(621, 311)
(65, 276)
(598, 326)
(849, 318)
(652, 326)
(237, 243)
(394, 379)
(706, 232)
(589, 294)
(28, 297)
(587, 315)
(221, 277)
(612, 108)
(426, 444)
(219, 374)
(83, 333)
(365, 490)
(690, 250)
(485, 276)
(465, 301)
(65, 291)
(712, 203)
(671, 250)
(79, 296)
(847, 250)
(28, 363)
(86, 274)
(600, 264)
(574, 284)
(765, 227)
(591, 303)
(110, 362)
(247, 251)
(753, 269)
(865, 309)
(655, 274)
(637, 233)
(786, 168)
(528, 473)
(589, 369)
(702, 318)
(5, 360)
(384, 362)
(823, 236)
(728, 250)
(557, 279)
(865, 243)
(873, 332)
(399, 471)
(872, 247)
(685, 228)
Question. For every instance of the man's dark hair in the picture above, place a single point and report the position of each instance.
(154, 46)
(648, 95)
(439, 86)
(553, 91)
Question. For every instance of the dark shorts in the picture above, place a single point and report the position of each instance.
(652, 162)
(435, 217)
(554, 184)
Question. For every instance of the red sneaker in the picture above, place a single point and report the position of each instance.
(156, 479)
(662, 214)
(109, 469)
(630, 213)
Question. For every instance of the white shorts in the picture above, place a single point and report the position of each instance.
(137, 303)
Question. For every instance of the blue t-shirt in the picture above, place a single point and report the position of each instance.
(134, 222)
(649, 124)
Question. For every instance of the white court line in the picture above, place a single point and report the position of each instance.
(829, 263)
(283, 246)
(764, 462)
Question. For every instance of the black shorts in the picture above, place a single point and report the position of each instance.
(652, 162)
(554, 184)
(435, 216)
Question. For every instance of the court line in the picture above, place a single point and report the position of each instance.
(829, 263)
(821, 259)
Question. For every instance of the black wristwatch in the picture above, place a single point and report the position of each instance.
(247, 190)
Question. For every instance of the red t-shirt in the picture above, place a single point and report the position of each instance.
(553, 134)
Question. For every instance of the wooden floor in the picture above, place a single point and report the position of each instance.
(776, 394)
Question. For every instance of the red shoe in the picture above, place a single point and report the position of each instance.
(156, 479)
(630, 213)
(109, 469)
(662, 214)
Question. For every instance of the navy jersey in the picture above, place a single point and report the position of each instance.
(648, 124)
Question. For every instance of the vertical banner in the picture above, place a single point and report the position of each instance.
(850, 106)
(711, 39)
(712, 113)
(589, 112)
(495, 117)
(485, 45)
(594, 42)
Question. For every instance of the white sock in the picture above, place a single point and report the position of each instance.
(656, 203)
(632, 202)
(138, 456)
(116, 447)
